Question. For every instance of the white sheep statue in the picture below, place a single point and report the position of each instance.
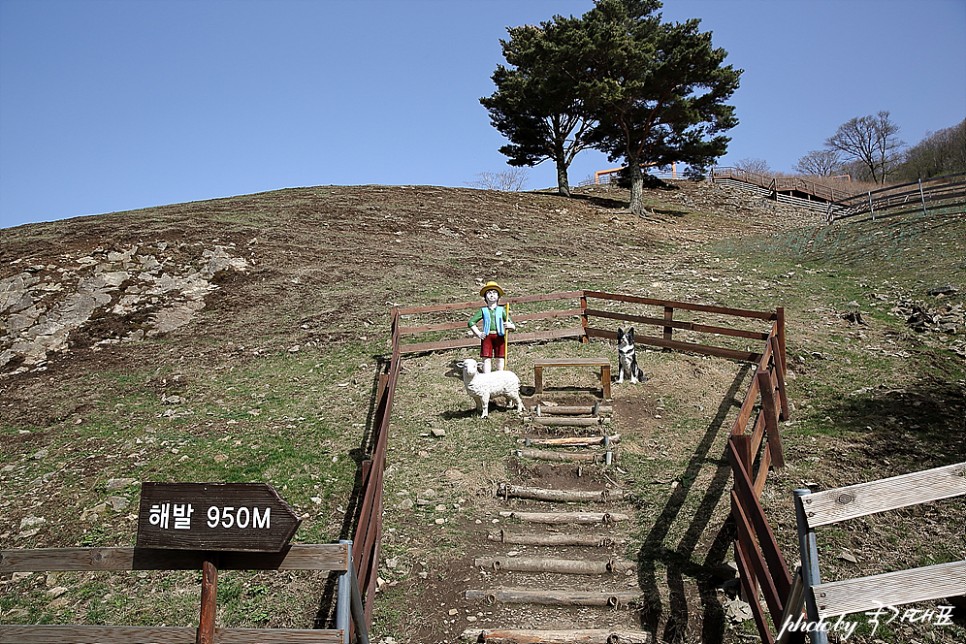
(483, 386)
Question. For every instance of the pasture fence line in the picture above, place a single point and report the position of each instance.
(935, 194)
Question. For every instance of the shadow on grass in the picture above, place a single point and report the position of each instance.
(678, 561)
(325, 614)
(915, 427)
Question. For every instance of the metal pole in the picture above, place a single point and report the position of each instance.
(344, 596)
(810, 573)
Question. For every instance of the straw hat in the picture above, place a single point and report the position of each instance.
(491, 285)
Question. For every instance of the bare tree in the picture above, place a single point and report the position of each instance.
(870, 140)
(511, 180)
(821, 163)
(942, 152)
(754, 166)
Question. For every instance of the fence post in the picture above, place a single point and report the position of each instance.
(810, 574)
(871, 207)
(209, 601)
(583, 317)
(922, 197)
(668, 316)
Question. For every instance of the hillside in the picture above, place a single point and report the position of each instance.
(238, 340)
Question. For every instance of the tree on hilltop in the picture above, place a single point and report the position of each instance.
(870, 140)
(657, 90)
(940, 153)
(536, 105)
(820, 163)
(617, 79)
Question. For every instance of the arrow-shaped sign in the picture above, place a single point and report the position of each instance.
(249, 517)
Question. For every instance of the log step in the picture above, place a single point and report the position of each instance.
(556, 518)
(549, 421)
(551, 539)
(579, 636)
(578, 441)
(562, 457)
(561, 566)
(615, 598)
(575, 410)
(507, 491)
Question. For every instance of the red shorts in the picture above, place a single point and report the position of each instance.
(493, 346)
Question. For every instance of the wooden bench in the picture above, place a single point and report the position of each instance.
(603, 363)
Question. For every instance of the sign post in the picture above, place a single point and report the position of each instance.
(212, 518)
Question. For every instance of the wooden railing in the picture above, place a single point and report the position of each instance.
(776, 185)
(761, 565)
(823, 601)
(325, 557)
(368, 532)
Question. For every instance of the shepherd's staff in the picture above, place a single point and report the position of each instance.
(506, 338)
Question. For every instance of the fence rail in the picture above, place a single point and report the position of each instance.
(916, 196)
(831, 599)
(328, 557)
(777, 185)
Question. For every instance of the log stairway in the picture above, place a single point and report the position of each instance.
(555, 564)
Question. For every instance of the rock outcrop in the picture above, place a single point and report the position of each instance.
(106, 296)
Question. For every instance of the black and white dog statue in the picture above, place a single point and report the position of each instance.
(627, 358)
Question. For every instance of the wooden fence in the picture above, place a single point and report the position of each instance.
(443, 327)
(576, 318)
(761, 566)
(777, 185)
(938, 193)
(322, 557)
(822, 601)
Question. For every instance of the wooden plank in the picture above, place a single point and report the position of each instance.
(679, 324)
(756, 515)
(840, 504)
(780, 377)
(747, 406)
(769, 409)
(453, 306)
(551, 597)
(761, 477)
(557, 334)
(69, 634)
(327, 556)
(571, 362)
(633, 299)
(540, 636)
(557, 518)
(891, 589)
(755, 560)
(449, 326)
(751, 594)
(794, 607)
(721, 352)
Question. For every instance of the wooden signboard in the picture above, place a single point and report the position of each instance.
(246, 517)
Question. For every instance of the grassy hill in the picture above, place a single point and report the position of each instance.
(247, 350)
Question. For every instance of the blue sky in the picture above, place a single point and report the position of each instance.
(109, 105)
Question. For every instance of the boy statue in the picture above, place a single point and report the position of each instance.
(495, 321)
